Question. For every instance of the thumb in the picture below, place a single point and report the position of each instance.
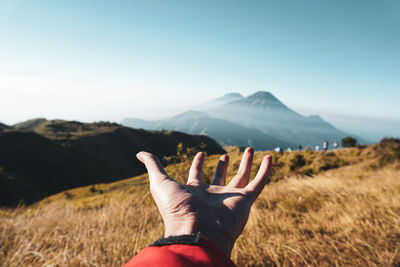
(154, 168)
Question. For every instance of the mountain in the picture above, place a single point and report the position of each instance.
(219, 101)
(228, 98)
(60, 155)
(265, 112)
(260, 120)
(223, 131)
(262, 99)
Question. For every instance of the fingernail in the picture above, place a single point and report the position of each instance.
(139, 155)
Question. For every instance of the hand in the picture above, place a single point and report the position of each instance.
(219, 212)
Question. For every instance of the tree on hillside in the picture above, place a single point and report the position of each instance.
(349, 141)
(181, 160)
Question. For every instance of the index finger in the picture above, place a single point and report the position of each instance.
(154, 168)
(256, 186)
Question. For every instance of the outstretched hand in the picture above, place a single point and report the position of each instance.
(219, 212)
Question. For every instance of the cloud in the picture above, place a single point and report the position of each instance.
(36, 85)
(26, 96)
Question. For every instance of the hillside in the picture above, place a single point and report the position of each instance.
(65, 130)
(3, 126)
(346, 214)
(30, 125)
(226, 133)
(59, 155)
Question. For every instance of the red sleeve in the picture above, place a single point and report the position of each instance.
(200, 255)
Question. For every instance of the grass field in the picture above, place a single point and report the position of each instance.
(339, 208)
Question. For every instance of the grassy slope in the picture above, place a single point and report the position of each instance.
(347, 215)
(61, 129)
(46, 157)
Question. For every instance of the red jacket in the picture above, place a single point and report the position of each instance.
(181, 251)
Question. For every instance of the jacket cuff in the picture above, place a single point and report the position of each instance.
(181, 251)
(193, 239)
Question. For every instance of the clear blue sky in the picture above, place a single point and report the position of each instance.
(107, 60)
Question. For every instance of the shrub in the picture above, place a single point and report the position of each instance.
(349, 142)
(68, 195)
(297, 161)
(390, 141)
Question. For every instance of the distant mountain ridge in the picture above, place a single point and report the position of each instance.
(225, 132)
(265, 112)
(58, 155)
(227, 98)
(218, 101)
(260, 116)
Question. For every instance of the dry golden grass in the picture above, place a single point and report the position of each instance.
(106, 232)
(348, 215)
(329, 220)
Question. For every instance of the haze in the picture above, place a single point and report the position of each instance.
(102, 60)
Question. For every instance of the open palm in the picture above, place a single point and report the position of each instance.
(219, 212)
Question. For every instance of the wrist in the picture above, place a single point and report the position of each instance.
(220, 241)
(178, 228)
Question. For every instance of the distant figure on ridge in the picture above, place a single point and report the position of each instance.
(317, 148)
(335, 144)
(300, 147)
(325, 145)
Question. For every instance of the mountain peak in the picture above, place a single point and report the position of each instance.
(228, 98)
(263, 99)
(233, 95)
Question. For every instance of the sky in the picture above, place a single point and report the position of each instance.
(108, 60)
